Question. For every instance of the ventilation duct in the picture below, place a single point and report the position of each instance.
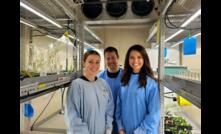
(116, 9)
(91, 8)
(142, 8)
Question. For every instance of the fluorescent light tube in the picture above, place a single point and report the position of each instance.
(177, 43)
(175, 34)
(71, 36)
(198, 34)
(85, 43)
(39, 14)
(27, 24)
(194, 16)
(52, 37)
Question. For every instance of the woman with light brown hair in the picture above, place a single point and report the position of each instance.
(89, 106)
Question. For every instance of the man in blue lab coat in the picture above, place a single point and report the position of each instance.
(112, 75)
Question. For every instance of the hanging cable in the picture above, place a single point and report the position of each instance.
(62, 97)
(173, 26)
(40, 31)
(42, 111)
(173, 98)
(168, 92)
(176, 27)
(71, 29)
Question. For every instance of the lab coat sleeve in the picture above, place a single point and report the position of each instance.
(73, 117)
(118, 112)
(151, 121)
(109, 111)
(100, 75)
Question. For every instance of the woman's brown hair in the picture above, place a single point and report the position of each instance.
(90, 52)
(146, 69)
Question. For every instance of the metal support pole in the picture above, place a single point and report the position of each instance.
(80, 36)
(160, 41)
(161, 38)
(74, 49)
(181, 54)
(22, 122)
(78, 50)
(62, 100)
(67, 42)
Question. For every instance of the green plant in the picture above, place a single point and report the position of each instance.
(176, 125)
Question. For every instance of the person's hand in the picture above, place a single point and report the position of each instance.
(108, 131)
(122, 131)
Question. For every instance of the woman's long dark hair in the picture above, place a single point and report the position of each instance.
(146, 69)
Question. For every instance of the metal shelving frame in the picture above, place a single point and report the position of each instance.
(188, 89)
(31, 88)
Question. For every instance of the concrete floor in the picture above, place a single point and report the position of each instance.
(56, 122)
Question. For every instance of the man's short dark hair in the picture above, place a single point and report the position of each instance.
(111, 49)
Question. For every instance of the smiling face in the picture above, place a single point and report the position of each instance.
(136, 61)
(92, 65)
(111, 61)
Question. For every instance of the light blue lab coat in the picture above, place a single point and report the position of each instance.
(89, 107)
(138, 110)
(114, 83)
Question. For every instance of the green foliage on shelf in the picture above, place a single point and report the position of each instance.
(27, 74)
(176, 125)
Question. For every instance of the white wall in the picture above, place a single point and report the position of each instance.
(122, 38)
(172, 55)
(193, 62)
(153, 56)
(102, 63)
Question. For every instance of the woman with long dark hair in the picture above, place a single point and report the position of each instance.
(138, 102)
